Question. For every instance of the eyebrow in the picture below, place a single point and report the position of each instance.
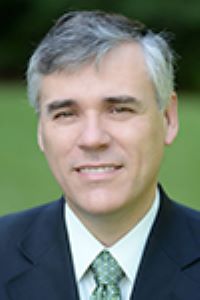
(124, 99)
(58, 104)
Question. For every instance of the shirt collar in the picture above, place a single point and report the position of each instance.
(133, 243)
(85, 247)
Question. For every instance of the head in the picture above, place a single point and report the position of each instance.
(80, 37)
(103, 87)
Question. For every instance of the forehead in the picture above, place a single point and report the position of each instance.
(122, 70)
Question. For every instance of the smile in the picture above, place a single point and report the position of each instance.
(98, 172)
(97, 169)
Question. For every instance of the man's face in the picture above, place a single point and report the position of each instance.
(103, 135)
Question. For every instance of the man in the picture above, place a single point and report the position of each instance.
(103, 88)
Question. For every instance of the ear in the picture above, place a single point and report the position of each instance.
(171, 119)
(39, 137)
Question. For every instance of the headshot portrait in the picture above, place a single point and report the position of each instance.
(103, 89)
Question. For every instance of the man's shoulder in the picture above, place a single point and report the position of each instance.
(178, 216)
(190, 215)
(16, 223)
(178, 207)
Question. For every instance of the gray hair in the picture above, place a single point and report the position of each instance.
(80, 37)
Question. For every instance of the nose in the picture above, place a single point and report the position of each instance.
(94, 135)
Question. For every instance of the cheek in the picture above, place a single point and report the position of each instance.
(134, 136)
(143, 142)
(56, 141)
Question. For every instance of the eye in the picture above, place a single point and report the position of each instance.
(121, 109)
(63, 114)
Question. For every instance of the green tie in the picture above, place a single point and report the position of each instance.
(107, 274)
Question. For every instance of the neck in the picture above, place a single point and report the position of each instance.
(111, 227)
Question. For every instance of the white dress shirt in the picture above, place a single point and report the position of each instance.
(127, 251)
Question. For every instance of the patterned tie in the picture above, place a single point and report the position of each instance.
(107, 274)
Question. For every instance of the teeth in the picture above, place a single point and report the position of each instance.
(96, 169)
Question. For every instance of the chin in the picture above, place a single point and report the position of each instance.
(103, 205)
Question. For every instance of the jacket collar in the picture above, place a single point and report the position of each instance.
(176, 225)
(167, 263)
(44, 232)
(45, 260)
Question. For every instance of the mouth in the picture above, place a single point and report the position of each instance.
(98, 171)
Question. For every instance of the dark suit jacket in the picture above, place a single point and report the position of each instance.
(35, 260)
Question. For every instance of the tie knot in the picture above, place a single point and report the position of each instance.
(106, 270)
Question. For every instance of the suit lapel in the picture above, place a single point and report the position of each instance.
(166, 265)
(46, 260)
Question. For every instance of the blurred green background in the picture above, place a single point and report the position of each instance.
(25, 179)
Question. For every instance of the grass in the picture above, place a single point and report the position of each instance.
(181, 168)
(26, 181)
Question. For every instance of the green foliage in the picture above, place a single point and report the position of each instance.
(26, 181)
(23, 23)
